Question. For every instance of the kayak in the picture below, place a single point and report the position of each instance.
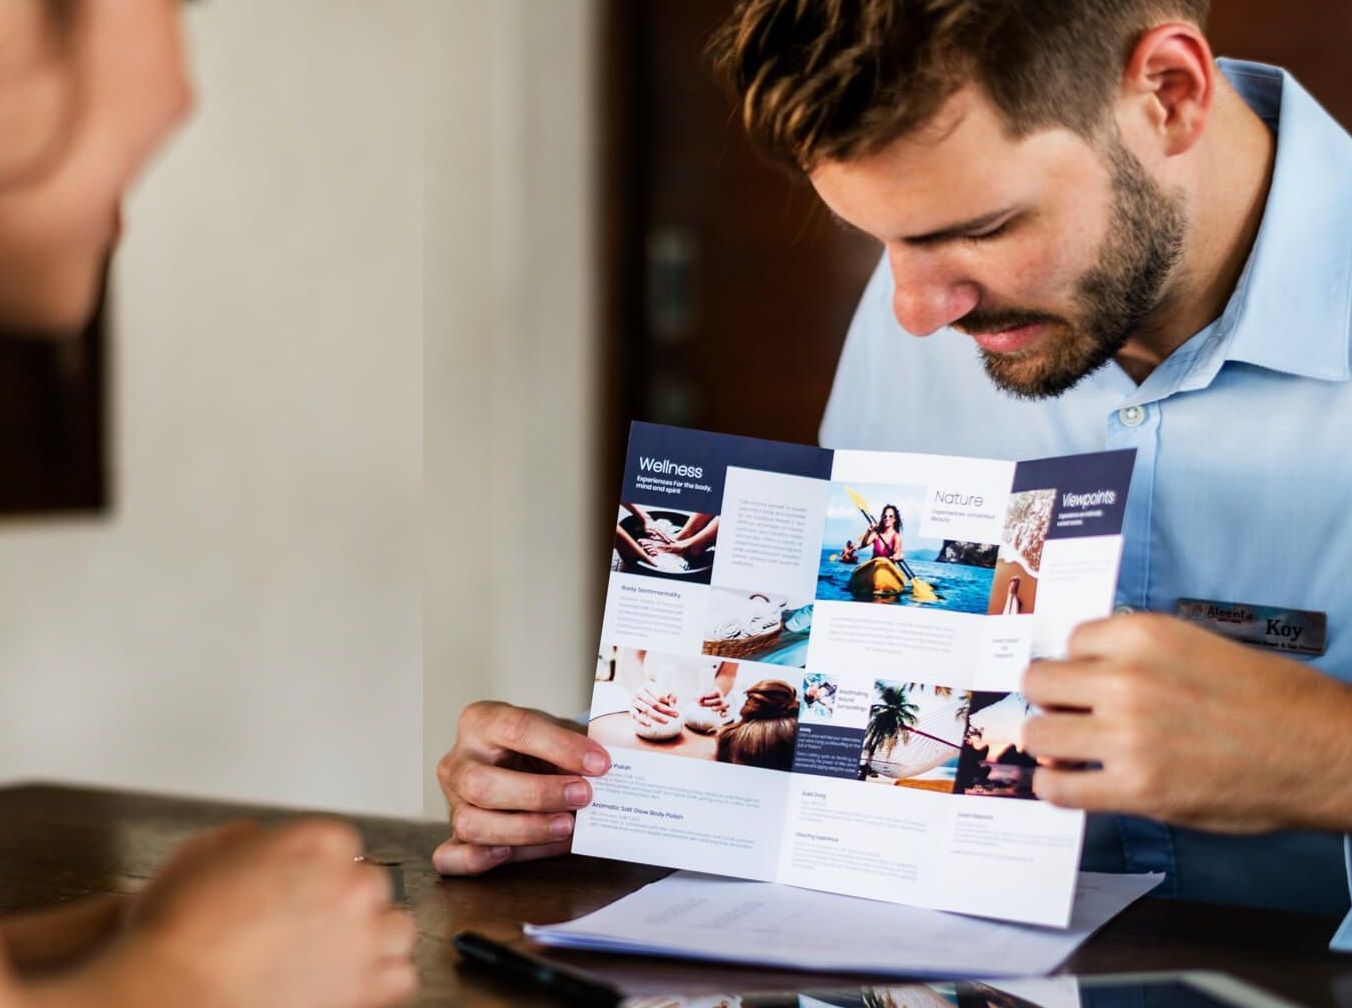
(879, 576)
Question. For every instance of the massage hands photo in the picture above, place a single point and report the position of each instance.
(650, 708)
(715, 701)
(1191, 729)
(651, 529)
(696, 536)
(654, 705)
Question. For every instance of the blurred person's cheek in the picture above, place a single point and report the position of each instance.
(52, 268)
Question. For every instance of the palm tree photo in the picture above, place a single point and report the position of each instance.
(888, 720)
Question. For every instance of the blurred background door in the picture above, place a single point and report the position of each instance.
(727, 288)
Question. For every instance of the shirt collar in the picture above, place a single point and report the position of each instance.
(1292, 308)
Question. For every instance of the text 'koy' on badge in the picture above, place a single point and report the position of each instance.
(1298, 631)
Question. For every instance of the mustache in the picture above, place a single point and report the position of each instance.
(977, 322)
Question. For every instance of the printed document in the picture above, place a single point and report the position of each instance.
(697, 916)
(810, 663)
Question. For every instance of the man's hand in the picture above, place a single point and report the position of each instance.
(1190, 728)
(244, 917)
(513, 782)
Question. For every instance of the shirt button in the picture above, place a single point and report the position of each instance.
(1131, 416)
(1123, 610)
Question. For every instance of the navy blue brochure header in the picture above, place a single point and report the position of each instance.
(1091, 491)
(686, 469)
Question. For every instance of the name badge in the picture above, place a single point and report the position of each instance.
(1292, 630)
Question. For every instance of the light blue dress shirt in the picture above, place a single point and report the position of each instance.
(1243, 483)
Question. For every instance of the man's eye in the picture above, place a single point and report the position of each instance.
(994, 232)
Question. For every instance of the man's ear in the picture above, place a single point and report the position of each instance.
(1168, 88)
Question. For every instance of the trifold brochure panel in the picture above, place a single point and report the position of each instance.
(810, 663)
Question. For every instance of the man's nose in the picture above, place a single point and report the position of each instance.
(928, 297)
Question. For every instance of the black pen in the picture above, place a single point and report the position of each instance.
(574, 987)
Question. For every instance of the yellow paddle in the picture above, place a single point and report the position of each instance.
(921, 591)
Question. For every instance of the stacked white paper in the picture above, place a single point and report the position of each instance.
(693, 916)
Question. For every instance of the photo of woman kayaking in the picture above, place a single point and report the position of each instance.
(885, 537)
(872, 551)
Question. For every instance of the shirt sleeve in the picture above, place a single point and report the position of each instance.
(846, 421)
(1342, 941)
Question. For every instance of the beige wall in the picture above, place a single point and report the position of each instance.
(247, 622)
(342, 286)
(509, 373)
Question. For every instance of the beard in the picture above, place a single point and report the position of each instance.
(1114, 297)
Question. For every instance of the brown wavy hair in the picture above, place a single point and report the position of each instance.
(767, 727)
(828, 80)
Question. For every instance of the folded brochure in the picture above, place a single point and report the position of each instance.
(810, 663)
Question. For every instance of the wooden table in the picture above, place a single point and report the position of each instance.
(58, 843)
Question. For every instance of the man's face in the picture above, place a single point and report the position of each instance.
(1049, 251)
(84, 105)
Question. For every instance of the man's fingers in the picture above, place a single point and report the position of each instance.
(457, 858)
(1073, 684)
(1074, 738)
(1126, 636)
(531, 733)
(535, 852)
(1090, 790)
(493, 787)
(514, 829)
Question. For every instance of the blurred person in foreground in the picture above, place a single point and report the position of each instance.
(241, 917)
(1117, 241)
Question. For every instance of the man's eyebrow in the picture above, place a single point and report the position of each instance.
(962, 229)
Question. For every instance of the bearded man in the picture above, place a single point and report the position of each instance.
(1140, 247)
